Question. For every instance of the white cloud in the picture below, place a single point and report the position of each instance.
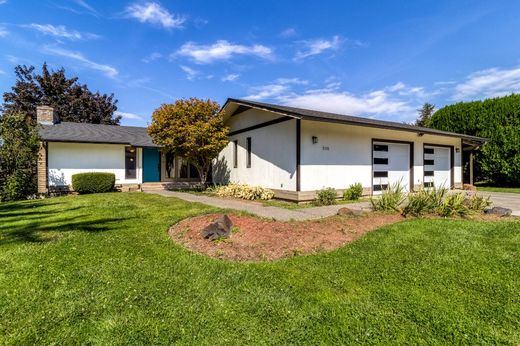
(152, 57)
(488, 83)
(230, 77)
(377, 102)
(192, 74)
(2, 2)
(129, 116)
(3, 32)
(153, 13)
(287, 33)
(221, 50)
(91, 10)
(107, 70)
(274, 90)
(60, 31)
(318, 46)
(397, 102)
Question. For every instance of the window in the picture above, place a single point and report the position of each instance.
(248, 162)
(380, 161)
(381, 174)
(380, 147)
(428, 151)
(428, 173)
(428, 184)
(380, 187)
(428, 162)
(130, 163)
(235, 154)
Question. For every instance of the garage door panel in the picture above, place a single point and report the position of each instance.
(437, 167)
(391, 164)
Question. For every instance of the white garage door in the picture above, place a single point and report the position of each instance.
(391, 164)
(437, 167)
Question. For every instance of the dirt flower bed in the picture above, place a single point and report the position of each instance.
(255, 239)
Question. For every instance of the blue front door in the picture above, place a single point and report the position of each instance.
(151, 165)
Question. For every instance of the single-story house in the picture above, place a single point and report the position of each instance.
(296, 152)
(68, 148)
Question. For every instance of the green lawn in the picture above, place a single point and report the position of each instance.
(483, 186)
(101, 269)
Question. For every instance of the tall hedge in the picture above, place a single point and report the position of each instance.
(497, 119)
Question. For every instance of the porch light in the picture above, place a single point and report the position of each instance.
(457, 150)
(420, 134)
(314, 140)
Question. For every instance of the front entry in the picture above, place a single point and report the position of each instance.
(167, 166)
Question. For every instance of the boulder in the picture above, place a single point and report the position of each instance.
(498, 211)
(220, 228)
(350, 212)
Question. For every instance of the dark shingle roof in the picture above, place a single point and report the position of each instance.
(96, 133)
(309, 114)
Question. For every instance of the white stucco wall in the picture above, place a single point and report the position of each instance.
(66, 159)
(273, 153)
(348, 159)
(349, 154)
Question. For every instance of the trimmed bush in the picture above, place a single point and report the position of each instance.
(94, 182)
(243, 191)
(390, 200)
(353, 192)
(326, 196)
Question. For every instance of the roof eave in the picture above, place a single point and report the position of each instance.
(355, 123)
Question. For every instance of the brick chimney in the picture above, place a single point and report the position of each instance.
(46, 115)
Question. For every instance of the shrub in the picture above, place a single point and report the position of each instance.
(478, 203)
(20, 185)
(424, 201)
(94, 182)
(390, 200)
(243, 191)
(353, 192)
(326, 196)
(452, 205)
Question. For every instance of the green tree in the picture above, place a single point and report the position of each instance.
(497, 119)
(425, 115)
(193, 129)
(19, 143)
(73, 102)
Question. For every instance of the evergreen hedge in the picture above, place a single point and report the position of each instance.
(497, 119)
(94, 182)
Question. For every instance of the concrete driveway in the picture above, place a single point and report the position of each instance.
(506, 200)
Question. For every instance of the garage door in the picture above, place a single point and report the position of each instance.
(437, 167)
(391, 164)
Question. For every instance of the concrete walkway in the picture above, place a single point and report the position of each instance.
(504, 199)
(257, 208)
(500, 199)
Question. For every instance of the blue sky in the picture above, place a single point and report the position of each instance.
(380, 59)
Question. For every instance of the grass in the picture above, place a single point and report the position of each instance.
(100, 269)
(498, 189)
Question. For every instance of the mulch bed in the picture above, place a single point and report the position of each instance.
(255, 239)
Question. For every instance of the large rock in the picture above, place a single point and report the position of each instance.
(498, 211)
(220, 228)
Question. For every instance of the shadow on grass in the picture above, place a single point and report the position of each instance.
(27, 222)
